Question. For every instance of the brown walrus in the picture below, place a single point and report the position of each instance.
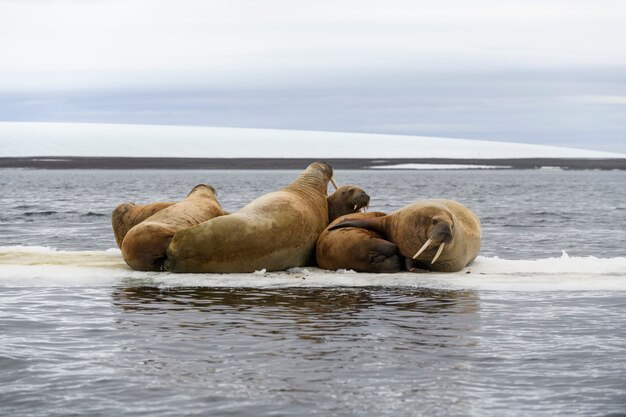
(437, 235)
(355, 248)
(275, 232)
(144, 247)
(347, 199)
(128, 215)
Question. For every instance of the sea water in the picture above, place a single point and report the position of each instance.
(534, 327)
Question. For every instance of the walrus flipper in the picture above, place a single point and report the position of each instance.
(413, 266)
(383, 257)
(374, 223)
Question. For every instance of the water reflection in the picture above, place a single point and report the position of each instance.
(367, 349)
(310, 314)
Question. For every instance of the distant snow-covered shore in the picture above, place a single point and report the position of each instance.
(27, 139)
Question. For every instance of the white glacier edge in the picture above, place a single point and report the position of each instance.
(29, 139)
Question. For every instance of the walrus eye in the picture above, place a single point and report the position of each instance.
(434, 221)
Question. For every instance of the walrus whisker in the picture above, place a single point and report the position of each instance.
(332, 180)
(423, 248)
(438, 252)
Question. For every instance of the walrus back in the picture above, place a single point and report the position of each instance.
(145, 246)
(274, 232)
(356, 248)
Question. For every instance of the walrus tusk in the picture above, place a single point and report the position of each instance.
(364, 209)
(332, 180)
(354, 207)
(423, 248)
(438, 253)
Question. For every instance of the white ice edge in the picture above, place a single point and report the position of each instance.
(24, 139)
(47, 267)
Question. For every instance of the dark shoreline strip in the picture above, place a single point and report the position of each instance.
(48, 162)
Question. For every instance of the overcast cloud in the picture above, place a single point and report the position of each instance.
(531, 71)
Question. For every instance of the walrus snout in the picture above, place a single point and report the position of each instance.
(441, 232)
(360, 200)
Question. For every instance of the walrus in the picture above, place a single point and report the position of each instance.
(275, 232)
(128, 215)
(144, 247)
(347, 199)
(436, 235)
(361, 250)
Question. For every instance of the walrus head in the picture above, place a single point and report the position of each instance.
(347, 199)
(437, 228)
(316, 175)
(119, 222)
(326, 169)
(203, 188)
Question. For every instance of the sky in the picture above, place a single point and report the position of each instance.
(541, 72)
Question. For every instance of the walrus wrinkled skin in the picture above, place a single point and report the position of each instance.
(347, 199)
(145, 245)
(128, 215)
(355, 248)
(275, 232)
(426, 228)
